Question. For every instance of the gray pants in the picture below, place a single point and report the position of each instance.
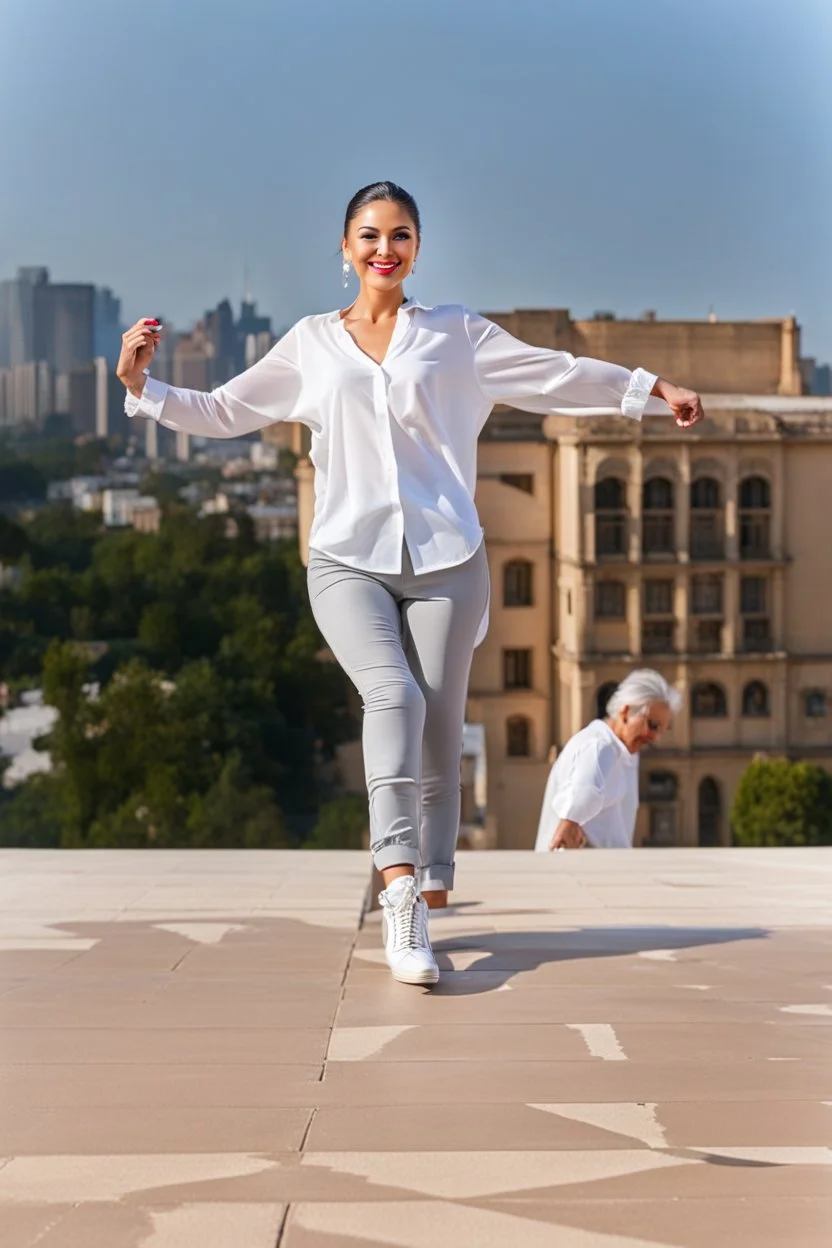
(406, 643)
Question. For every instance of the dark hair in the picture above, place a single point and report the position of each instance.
(382, 190)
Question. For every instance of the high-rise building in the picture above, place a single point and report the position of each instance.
(107, 328)
(27, 393)
(64, 319)
(17, 316)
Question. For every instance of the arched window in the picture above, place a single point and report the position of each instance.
(710, 812)
(603, 696)
(708, 701)
(755, 704)
(518, 736)
(705, 494)
(658, 536)
(610, 517)
(707, 526)
(755, 518)
(518, 583)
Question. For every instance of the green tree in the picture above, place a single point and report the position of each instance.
(783, 803)
(342, 823)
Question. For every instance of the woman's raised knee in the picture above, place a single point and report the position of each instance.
(398, 694)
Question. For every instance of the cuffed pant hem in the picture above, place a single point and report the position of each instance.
(436, 877)
(395, 856)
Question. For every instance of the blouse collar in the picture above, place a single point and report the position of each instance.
(409, 305)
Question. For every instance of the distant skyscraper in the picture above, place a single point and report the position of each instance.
(107, 329)
(17, 320)
(64, 318)
(251, 326)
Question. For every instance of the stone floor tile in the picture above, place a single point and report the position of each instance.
(188, 1226)
(481, 1126)
(414, 1224)
(163, 1045)
(193, 1085)
(449, 1082)
(153, 1130)
(791, 1222)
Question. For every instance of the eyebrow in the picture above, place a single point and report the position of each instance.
(374, 230)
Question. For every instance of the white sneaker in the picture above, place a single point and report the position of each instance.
(406, 940)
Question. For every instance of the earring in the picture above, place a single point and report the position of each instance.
(345, 269)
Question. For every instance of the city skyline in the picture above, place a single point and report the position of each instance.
(607, 157)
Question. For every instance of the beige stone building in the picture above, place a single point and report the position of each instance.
(703, 554)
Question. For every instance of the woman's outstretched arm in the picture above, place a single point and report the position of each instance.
(536, 379)
(262, 395)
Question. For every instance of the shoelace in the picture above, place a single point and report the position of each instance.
(407, 921)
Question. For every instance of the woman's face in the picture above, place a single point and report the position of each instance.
(382, 245)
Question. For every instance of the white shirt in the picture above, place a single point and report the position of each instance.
(394, 445)
(594, 783)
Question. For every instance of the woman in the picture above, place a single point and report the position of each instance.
(591, 796)
(395, 395)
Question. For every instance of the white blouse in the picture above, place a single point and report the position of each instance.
(394, 445)
(593, 783)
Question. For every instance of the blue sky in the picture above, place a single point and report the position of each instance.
(600, 154)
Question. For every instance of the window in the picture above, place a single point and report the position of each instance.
(706, 595)
(658, 597)
(709, 812)
(658, 536)
(611, 517)
(603, 696)
(519, 481)
(756, 626)
(610, 600)
(657, 634)
(517, 669)
(708, 701)
(657, 637)
(814, 704)
(518, 583)
(755, 518)
(756, 637)
(707, 529)
(705, 494)
(755, 700)
(518, 737)
(706, 600)
(707, 638)
(753, 595)
(660, 790)
(662, 786)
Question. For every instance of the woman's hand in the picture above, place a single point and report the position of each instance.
(138, 345)
(568, 835)
(686, 405)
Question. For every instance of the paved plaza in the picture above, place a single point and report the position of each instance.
(626, 1050)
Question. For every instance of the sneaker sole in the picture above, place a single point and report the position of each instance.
(426, 977)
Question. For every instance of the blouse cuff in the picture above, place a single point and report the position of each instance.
(151, 401)
(637, 393)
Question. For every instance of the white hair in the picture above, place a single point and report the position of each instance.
(641, 689)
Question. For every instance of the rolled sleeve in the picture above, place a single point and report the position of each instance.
(150, 403)
(637, 394)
